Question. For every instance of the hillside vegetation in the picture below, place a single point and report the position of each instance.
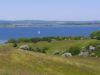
(20, 62)
(59, 45)
(51, 56)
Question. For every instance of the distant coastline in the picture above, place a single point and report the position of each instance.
(41, 23)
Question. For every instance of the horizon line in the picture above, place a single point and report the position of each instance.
(45, 20)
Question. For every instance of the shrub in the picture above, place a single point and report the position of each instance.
(75, 50)
(24, 40)
(14, 44)
(95, 35)
(41, 50)
(35, 40)
(93, 44)
(97, 53)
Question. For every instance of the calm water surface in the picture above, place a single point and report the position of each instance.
(7, 33)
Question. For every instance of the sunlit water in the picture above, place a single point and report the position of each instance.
(7, 33)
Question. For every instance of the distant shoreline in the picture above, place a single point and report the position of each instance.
(50, 26)
(43, 23)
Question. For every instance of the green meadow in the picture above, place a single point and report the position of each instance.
(60, 45)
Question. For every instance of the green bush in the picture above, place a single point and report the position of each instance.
(93, 44)
(95, 35)
(75, 50)
(97, 53)
(41, 50)
(14, 44)
(24, 40)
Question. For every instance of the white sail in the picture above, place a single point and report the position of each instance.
(39, 32)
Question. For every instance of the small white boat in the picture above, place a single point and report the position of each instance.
(39, 32)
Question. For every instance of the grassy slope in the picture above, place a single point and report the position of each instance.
(19, 62)
(62, 45)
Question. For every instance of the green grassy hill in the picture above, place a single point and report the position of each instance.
(20, 62)
(60, 45)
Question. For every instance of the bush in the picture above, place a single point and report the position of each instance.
(14, 44)
(24, 40)
(93, 44)
(75, 50)
(95, 35)
(41, 50)
(97, 53)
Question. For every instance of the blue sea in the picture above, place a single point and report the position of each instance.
(28, 32)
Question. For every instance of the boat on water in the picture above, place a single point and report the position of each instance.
(39, 32)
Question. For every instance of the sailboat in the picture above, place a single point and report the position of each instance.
(39, 32)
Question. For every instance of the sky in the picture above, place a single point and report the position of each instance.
(62, 10)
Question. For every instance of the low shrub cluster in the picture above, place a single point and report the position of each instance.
(96, 46)
(15, 44)
(75, 50)
(48, 39)
(95, 35)
(35, 49)
(91, 50)
(41, 50)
